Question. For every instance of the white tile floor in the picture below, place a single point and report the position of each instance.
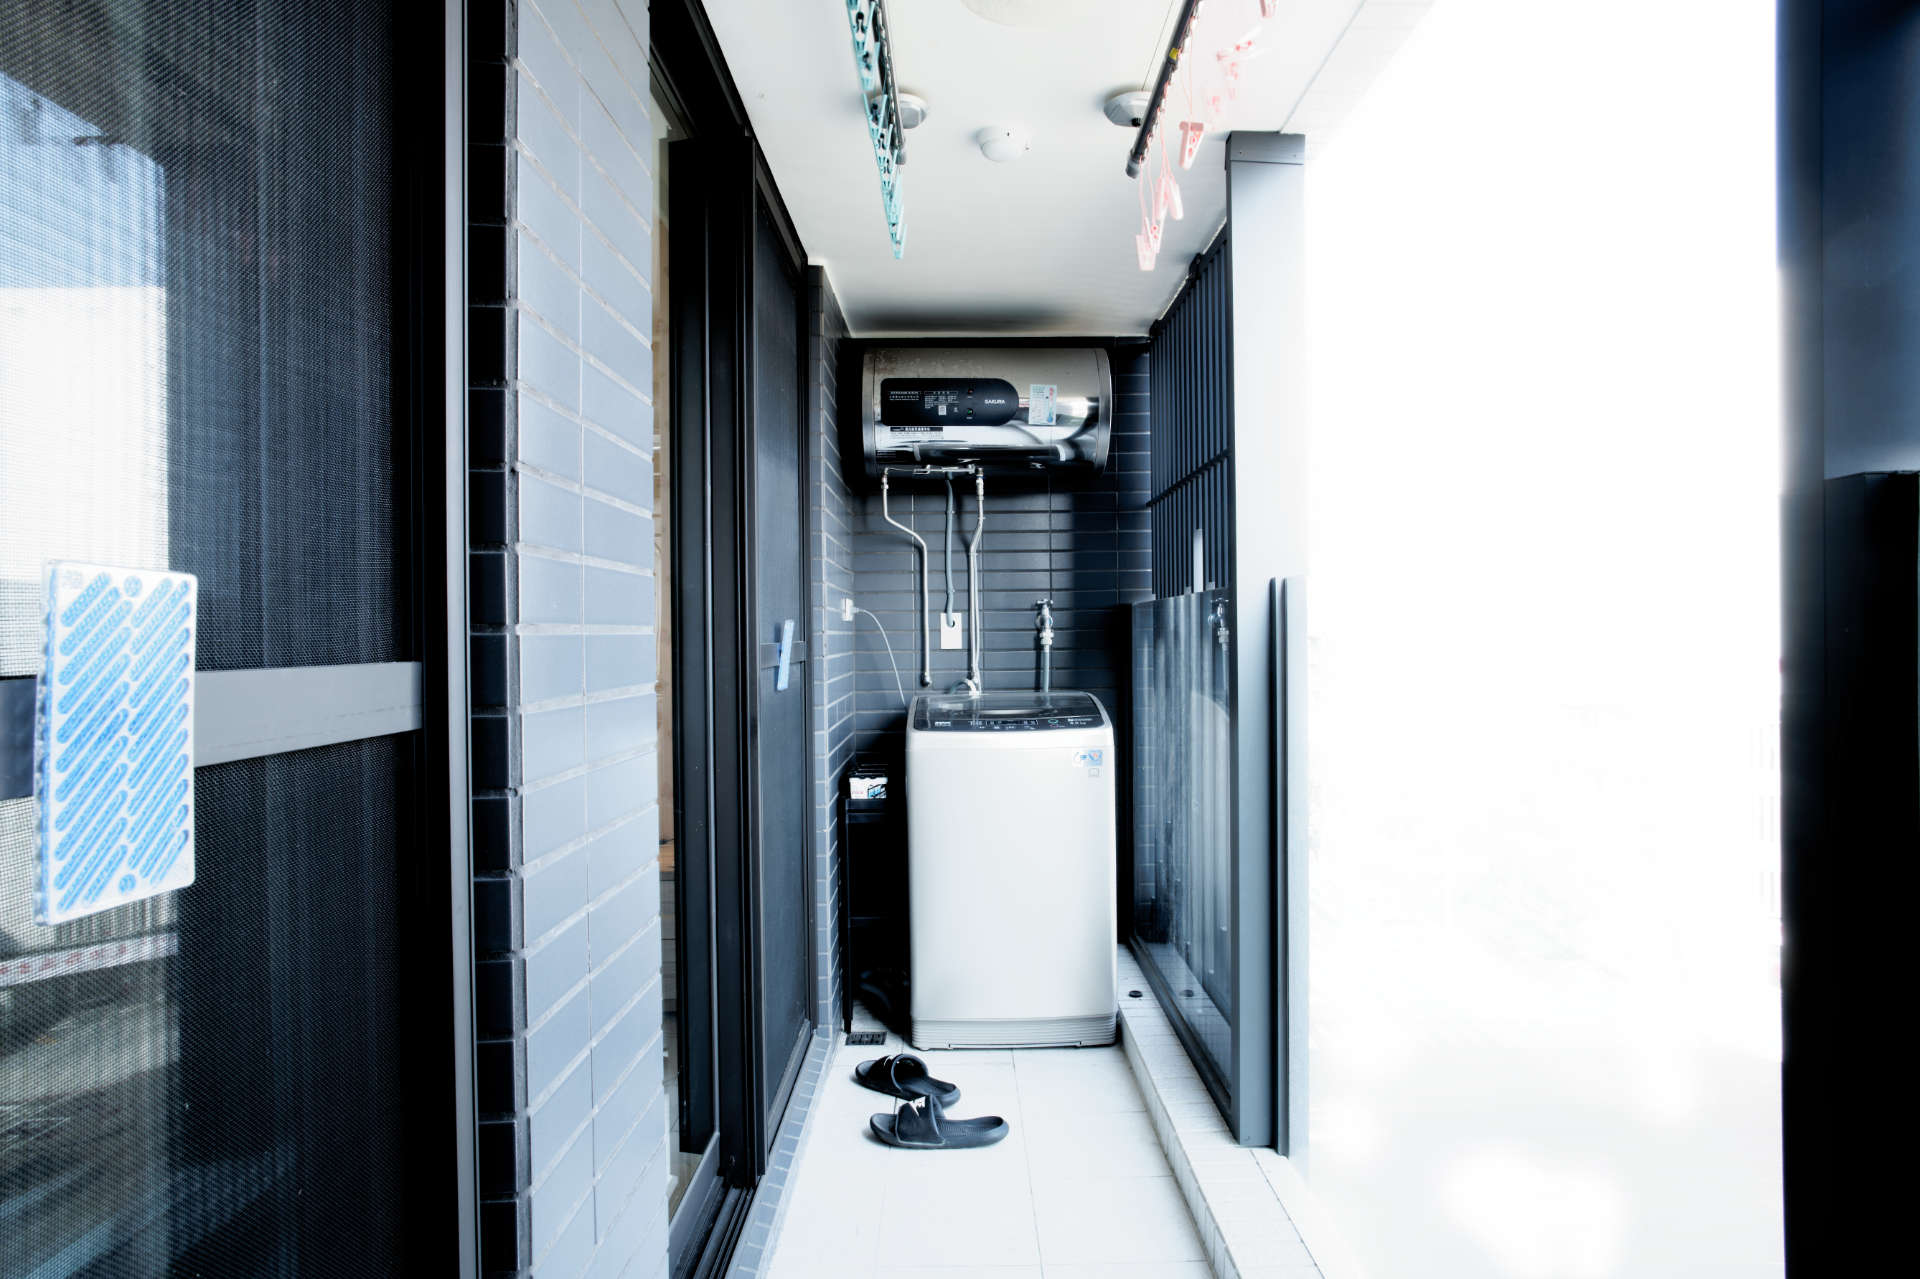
(1078, 1190)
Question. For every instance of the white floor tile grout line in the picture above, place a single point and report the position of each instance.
(1033, 1197)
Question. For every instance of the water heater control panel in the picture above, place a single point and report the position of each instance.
(918, 402)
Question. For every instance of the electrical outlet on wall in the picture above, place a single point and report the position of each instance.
(846, 609)
(952, 631)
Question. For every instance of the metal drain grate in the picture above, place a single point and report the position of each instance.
(863, 1038)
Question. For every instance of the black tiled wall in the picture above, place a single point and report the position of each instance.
(1083, 542)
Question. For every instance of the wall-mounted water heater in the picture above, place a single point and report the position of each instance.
(1004, 410)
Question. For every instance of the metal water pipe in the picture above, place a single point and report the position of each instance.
(926, 636)
(973, 577)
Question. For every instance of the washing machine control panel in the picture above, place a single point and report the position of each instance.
(1014, 725)
(1007, 713)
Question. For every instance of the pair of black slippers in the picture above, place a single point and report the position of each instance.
(920, 1121)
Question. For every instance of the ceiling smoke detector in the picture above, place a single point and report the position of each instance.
(1003, 142)
(1129, 109)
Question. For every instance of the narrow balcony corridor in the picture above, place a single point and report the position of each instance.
(1079, 1188)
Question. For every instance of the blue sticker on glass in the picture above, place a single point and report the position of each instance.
(113, 738)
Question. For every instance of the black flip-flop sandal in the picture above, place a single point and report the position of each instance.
(923, 1125)
(905, 1076)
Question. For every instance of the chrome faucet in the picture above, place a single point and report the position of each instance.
(1044, 624)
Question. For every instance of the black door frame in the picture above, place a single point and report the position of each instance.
(687, 68)
(719, 183)
(431, 248)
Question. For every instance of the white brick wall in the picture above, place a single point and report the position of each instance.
(574, 1114)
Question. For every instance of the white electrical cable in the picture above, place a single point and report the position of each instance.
(897, 685)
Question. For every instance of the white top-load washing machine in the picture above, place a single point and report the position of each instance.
(1011, 876)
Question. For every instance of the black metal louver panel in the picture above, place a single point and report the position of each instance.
(1192, 393)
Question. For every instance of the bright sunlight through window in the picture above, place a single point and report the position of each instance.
(1544, 921)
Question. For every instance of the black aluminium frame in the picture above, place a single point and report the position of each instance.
(686, 65)
(1848, 104)
(430, 335)
(446, 695)
(718, 182)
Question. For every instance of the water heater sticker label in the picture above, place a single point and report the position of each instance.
(1040, 400)
(113, 738)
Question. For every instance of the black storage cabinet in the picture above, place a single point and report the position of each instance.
(873, 891)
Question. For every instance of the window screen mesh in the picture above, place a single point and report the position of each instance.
(226, 1102)
(195, 316)
(196, 372)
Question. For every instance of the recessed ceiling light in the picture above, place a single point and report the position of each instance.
(913, 110)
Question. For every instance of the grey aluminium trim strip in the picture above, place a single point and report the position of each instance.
(247, 714)
(457, 708)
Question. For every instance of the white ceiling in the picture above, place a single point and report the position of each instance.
(1043, 244)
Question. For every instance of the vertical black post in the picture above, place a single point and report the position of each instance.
(1849, 114)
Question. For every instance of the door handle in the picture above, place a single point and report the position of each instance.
(786, 655)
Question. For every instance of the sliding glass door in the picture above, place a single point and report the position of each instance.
(730, 405)
(205, 366)
(779, 740)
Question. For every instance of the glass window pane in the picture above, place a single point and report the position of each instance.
(1543, 960)
(1183, 814)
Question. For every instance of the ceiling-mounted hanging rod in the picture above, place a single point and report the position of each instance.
(1176, 45)
(873, 60)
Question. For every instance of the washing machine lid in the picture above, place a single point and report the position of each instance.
(1006, 713)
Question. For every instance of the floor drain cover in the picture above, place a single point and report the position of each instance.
(863, 1037)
